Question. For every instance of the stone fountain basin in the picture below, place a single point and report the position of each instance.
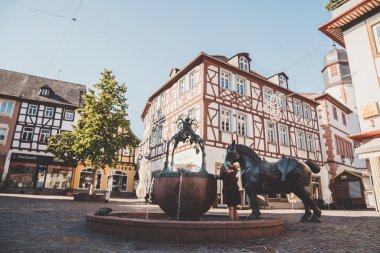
(198, 193)
(158, 228)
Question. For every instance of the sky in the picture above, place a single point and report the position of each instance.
(141, 41)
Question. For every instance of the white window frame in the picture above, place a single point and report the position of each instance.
(241, 124)
(310, 143)
(267, 93)
(69, 112)
(240, 85)
(225, 76)
(300, 139)
(4, 132)
(271, 132)
(376, 35)
(282, 101)
(282, 81)
(283, 135)
(225, 119)
(47, 114)
(243, 63)
(299, 107)
(191, 113)
(193, 79)
(306, 111)
(44, 135)
(31, 109)
(182, 86)
(45, 92)
(8, 104)
(29, 134)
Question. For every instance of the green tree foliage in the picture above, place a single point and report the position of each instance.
(102, 130)
(332, 4)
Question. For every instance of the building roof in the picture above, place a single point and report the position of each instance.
(336, 102)
(356, 174)
(365, 135)
(199, 59)
(24, 86)
(334, 28)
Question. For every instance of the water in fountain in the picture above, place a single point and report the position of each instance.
(179, 194)
(149, 198)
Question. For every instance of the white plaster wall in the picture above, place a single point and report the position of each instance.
(363, 69)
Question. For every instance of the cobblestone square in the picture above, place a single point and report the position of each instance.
(50, 225)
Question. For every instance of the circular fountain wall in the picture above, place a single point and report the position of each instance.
(211, 228)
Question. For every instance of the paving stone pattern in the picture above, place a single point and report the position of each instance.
(40, 225)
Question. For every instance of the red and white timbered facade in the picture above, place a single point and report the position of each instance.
(227, 99)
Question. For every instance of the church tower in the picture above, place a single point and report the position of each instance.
(337, 77)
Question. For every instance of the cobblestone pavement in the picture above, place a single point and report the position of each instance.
(41, 225)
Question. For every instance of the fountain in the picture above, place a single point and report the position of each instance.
(185, 195)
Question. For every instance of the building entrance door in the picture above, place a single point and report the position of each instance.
(119, 181)
(40, 177)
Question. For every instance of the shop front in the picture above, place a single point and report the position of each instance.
(119, 180)
(37, 174)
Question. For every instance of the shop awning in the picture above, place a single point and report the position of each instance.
(370, 149)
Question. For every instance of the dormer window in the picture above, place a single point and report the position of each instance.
(282, 81)
(45, 91)
(243, 63)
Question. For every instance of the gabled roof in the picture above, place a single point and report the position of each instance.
(24, 86)
(202, 57)
(334, 28)
(333, 100)
(349, 172)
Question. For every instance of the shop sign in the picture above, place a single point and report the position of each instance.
(48, 160)
(370, 110)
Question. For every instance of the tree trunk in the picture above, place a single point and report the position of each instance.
(93, 181)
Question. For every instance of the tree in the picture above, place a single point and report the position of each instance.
(102, 130)
(333, 4)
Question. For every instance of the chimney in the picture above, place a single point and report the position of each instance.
(173, 72)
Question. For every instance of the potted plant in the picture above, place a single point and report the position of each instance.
(69, 192)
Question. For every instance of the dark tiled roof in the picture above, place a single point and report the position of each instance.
(26, 86)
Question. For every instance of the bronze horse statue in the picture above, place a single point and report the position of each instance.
(285, 176)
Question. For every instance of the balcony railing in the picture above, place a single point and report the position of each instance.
(343, 6)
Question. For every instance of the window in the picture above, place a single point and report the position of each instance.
(241, 124)
(240, 86)
(376, 34)
(126, 151)
(27, 134)
(335, 113)
(271, 131)
(182, 86)
(191, 113)
(243, 63)
(6, 107)
(49, 112)
(284, 137)
(267, 95)
(69, 115)
(300, 140)
(344, 119)
(32, 109)
(225, 80)
(44, 135)
(343, 147)
(45, 92)
(310, 142)
(193, 79)
(3, 134)
(282, 81)
(297, 107)
(281, 102)
(226, 120)
(306, 111)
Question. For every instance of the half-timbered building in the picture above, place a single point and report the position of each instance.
(228, 99)
(46, 107)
